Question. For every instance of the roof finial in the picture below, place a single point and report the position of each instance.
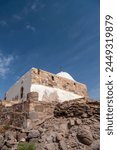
(61, 68)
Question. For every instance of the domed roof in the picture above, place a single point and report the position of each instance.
(65, 75)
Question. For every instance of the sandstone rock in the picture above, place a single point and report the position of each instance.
(40, 146)
(71, 122)
(53, 135)
(21, 136)
(1, 141)
(95, 145)
(59, 137)
(4, 147)
(10, 138)
(34, 140)
(50, 146)
(51, 138)
(62, 145)
(22, 140)
(78, 121)
(11, 143)
(84, 136)
(96, 136)
(9, 135)
(84, 115)
(85, 127)
(73, 142)
(33, 134)
(64, 127)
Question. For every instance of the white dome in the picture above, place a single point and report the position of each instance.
(65, 75)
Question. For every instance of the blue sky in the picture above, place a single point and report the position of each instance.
(50, 34)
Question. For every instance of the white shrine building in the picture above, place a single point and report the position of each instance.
(50, 87)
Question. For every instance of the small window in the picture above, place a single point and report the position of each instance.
(53, 78)
(21, 92)
(38, 71)
(75, 84)
(5, 96)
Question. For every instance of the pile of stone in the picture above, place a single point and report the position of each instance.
(75, 126)
(77, 109)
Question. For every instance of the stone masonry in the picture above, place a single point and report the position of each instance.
(32, 112)
(71, 125)
(48, 79)
(25, 114)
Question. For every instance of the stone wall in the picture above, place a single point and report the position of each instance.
(15, 114)
(32, 112)
(25, 114)
(52, 80)
(15, 91)
(39, 112)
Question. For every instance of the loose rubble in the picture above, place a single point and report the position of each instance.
(74, 126)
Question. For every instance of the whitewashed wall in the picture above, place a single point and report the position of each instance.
(45, 93)
(15, 90)
(50, 94)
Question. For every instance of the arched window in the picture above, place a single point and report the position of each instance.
(52, 78)
(21, 92)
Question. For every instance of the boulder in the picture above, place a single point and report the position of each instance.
(10, 138)
(4, 147)
(1, 141)
(10, 135)
(50, 146)
(64, 127)
(95, 145)
(63, 145)
(21, 136)
(78, 121)
(84, 136)
(33, 134)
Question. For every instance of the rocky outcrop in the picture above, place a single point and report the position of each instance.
(73, 126)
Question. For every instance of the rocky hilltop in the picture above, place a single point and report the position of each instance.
(74, 125)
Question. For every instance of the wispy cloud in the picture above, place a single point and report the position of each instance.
(5, 62)
(28, 8)
(30, 27)
(37, 4)
(3, 23)
(32, 6)
(17, 17)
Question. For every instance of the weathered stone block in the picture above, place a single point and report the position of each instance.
(39, 108)
(33, 115)
(32, 96)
